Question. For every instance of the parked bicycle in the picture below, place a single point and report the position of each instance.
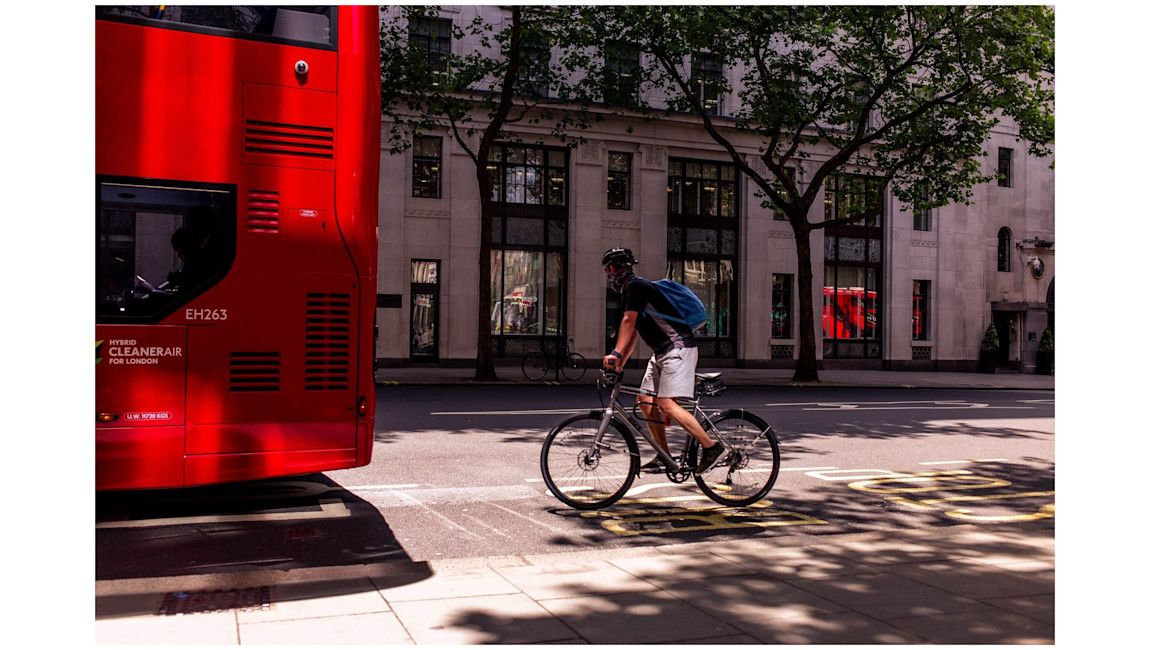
(590, 460)
(555, 358)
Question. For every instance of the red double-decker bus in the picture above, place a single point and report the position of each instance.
(237, 162)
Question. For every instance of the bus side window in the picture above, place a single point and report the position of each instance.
(157, 247)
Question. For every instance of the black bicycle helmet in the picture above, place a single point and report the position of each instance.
(619, 257)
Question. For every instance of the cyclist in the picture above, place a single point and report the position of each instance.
(671, 369)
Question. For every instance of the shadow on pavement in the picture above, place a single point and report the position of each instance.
(216, 539)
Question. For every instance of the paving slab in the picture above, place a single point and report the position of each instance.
(449, 583)
(317, 599)
(983, 625)
(572, 579)
(883, 551)
(629, 618)
(786, 563)
(480, 620)
(826, 629)
(1039, 608)
(980, 581)
(194, 629)
(379, 628)
(662, 569)
(751, 598)
(884, 596)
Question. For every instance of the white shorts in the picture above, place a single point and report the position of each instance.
(672, 374)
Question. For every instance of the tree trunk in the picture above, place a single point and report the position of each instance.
(807, 367)
(484, 361)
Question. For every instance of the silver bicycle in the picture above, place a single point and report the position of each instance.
(590, 460)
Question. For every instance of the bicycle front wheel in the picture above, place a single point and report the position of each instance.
(585, 475)
(575, 367)
(535, 366)
(750, 470)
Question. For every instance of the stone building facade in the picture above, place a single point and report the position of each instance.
(911, 291)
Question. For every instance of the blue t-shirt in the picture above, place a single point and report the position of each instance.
(660, 334)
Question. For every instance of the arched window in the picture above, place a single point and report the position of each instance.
(1004, 249)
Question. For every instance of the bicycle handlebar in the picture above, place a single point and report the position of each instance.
(610, 377)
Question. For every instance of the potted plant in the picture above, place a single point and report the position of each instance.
(988, 350)
(1045, 358)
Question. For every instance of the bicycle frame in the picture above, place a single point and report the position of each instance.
(613, 407)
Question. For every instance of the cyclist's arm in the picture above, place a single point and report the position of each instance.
(625, 344)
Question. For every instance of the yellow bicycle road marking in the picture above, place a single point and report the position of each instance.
(1045, 512)
(934, 477)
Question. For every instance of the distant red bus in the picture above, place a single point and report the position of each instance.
(237, 163)
(849, 313)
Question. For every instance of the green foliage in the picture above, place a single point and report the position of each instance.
(990, 339)
(1047, 342)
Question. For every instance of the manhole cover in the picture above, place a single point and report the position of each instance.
(220, 600)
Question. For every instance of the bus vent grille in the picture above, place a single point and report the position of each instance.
(263, 211)
(327, 345)
(252, 372)
(276, 138)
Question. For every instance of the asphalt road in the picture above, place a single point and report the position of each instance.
(455, 474)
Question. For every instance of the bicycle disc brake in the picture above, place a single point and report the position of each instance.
(680, 476)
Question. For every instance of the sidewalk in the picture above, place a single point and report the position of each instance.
(746, 377)
(953, 585)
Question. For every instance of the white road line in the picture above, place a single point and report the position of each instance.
(447, 519)
(523, 516)
(803, 469)
(969, 460)
(329, 509)
(524, 412)
(400, 486)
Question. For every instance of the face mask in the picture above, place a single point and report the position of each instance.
(616, 279)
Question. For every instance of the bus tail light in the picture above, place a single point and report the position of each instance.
(106, 417)
(363, 407)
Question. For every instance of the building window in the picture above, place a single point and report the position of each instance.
(703, 245)
(920, 311)
(1005, 167)
(426, 156)
(528, 175)
(706, 82)
(528, 247)
(922, 215)
(431, 38)
(781, 305)
(535, 74)
(1004, 238)
(621, 73)
(700, 188)
(619, 181)
(853, 257)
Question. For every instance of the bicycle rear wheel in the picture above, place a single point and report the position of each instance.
(535, 366)
(583, 475)
(750, 470)
(575, 367)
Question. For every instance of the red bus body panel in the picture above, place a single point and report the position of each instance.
(180, 105)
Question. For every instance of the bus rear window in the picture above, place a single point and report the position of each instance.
(311, 25)
(158, 245)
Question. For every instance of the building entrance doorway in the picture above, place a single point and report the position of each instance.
(1002, 322)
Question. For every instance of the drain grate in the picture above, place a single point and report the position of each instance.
(220, 600)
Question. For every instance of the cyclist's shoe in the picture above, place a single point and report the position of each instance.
(711, 457)
(654, 466)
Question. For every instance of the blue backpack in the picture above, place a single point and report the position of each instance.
(690, 309)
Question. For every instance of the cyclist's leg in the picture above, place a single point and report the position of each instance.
(677, 374)
(647, 404)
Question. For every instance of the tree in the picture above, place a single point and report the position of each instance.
(506, 78)
(904, 96)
